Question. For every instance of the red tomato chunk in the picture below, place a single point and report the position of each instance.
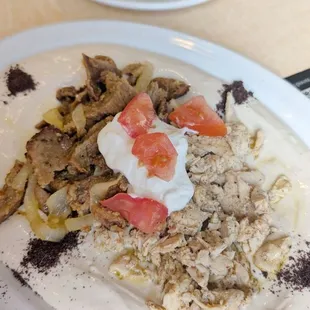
(197, 115)
(146, 214)
(138, 115)
(156, 152)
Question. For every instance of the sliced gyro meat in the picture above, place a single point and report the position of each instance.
(96, 68)
(114, 100)
(162, 90)
(175, 88)
(109, 219)
(132, 72)
(48, 151)
(86, 152)
(12, 193)
(81, 193)
(66, 94)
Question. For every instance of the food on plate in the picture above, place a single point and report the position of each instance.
(138, 115)
(48, 151)
(162, 91)
(279, 189)
(197, 115)
(172, 188)
(272, 254)
(156, 152)
(238, 92)
(12, 193)
(18, 81)
(145, 214)
(174, 194)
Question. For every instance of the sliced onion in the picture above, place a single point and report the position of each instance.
(30, 203)
(41, 229)
(21, 178)
(78, 223)
(79, 120)
(57, 204)
(53, 117)
(99, 190)
(145, 78)
(54, 221)
(45, 232)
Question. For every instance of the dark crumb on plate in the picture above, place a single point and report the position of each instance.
(19, 81)
(5, 102)
(265, 274)
(238, 91)
(44, 255)
(37, 294)
(295, 276)
(3, 290)
(18, 276)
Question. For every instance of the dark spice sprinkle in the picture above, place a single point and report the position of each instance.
(19, 81)
(239, 93)
(5, 290)
(44, 255)
(18, 276)
(295, 276)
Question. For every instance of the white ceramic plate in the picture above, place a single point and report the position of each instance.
(57, 43)
(151, 5)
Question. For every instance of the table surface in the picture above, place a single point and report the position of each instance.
(274, 33)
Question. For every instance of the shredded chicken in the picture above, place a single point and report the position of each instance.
(202, 259)
(188, 221)
(252, 235)
(271, 255)
(260, 201)
(152, 306)
(169, 244)
(258, 142)
(279, 189)
(230, 299)
(239, 139)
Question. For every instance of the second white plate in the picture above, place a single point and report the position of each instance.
(151, 5)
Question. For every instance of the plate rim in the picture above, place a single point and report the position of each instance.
(275, 93)
(147, 6)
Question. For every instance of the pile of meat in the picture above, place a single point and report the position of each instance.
(205, 256)
(64, 153)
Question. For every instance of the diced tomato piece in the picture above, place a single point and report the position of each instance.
(138, 115)
(197, 115)
(156, 152)
(146, 214)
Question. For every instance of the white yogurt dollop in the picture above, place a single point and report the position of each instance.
(115, 145)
